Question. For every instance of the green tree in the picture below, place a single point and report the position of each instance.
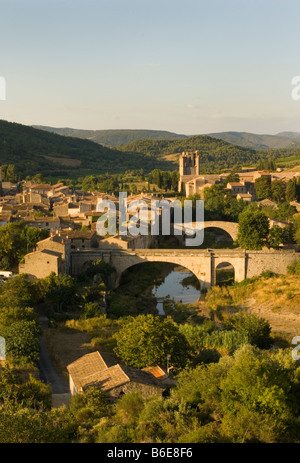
(214, 200)
(262, 187)
(19, 292)
(277, 236)
(257, 329)
(291, 190)
(90, 407)
(9, 315)
(278, 189)
(9, 173)
(148, 340)
(174, 180)
(22, 342)
(16, 240)
(285, 211)
(253, 229)
(296, 228)
(256, 387)
(59, 289)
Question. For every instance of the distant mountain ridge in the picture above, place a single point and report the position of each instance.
(112, 138)
(260, 142)
(116, 137)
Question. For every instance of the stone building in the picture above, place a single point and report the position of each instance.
(58, 248)
(51, 255)
(82, 239)
(91, 370)
(46, 223)
(39, 264)
(236, 188)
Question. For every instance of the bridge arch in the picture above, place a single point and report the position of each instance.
(231, 228)
(225, 274)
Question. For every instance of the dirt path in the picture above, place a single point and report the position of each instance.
(48, 373)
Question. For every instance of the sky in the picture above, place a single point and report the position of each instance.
(186, 66)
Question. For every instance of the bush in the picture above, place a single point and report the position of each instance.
(92, 405)
(147, 340)
(294, 268)
(257, 329)
(91, 310)
(22, 342)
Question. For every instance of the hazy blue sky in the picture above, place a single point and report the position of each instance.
(188, 66)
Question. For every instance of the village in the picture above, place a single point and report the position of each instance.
(70, 216)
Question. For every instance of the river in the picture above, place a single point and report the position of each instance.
(174, 287)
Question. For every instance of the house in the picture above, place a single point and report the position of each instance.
(91, 370)
(236, 188)
(5, 219)
(51, 255)
(245, 197)
(267, 203)
(39, 264)
(279, 223)
(81, 239)
(47, 223)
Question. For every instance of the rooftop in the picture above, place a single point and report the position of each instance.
(91, 370)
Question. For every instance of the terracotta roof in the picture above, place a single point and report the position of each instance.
(42, 219)
(118, 375)
(156, 371)
(79, 234)
(85, 367)
(235, 184)
(5, 218)
(91, 370)
(41, 186)
(107, 379)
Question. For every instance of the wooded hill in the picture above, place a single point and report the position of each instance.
(116, 137)
(215, 155)
(112, 138)
(37, 151)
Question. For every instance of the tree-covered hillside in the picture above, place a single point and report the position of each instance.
(258, 141)
(114, 137)
(214, 154)
(36, 151)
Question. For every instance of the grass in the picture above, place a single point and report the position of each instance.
(74, 338)
(275, 298)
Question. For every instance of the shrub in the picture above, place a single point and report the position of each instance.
(257, 329)
(148, 340)
(22, 342)
(91, 310)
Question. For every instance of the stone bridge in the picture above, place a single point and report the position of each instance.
(230, 227)
(203, 263)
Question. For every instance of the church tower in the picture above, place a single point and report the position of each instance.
(189, 168)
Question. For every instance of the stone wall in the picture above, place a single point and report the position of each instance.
(41, 263)
(145, 389)
(274, 261)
